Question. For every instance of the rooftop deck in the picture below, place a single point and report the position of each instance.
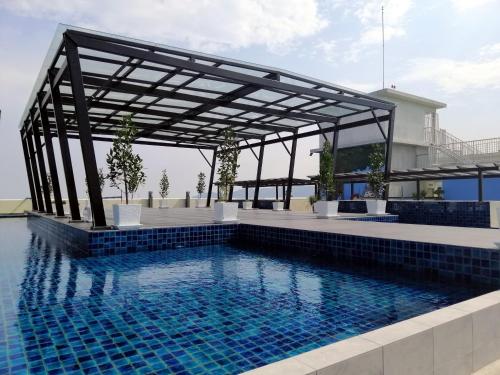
(446, 235)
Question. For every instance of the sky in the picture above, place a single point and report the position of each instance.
(447, 50)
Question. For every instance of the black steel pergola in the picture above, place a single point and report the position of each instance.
(177, 98)
(458, 172)
(271, 182)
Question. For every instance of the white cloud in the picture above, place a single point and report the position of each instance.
(465, 5)
(490, 50)
(368, 13)
(454, 76)
(200, 24)
(326, 50)
(365, 87)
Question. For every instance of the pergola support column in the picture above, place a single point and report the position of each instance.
(211, 180)
(388, 152)
(85, 133)
(480, 190)
(64, 146)
(290, 173)
(418, 190)
(34, 203)
(34, 169)
(41, 168)
(258, 177)
(51, 160)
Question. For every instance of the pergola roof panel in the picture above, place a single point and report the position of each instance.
(166, 88)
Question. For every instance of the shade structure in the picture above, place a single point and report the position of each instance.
(180, 98)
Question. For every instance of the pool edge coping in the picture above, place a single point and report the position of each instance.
(463, 336)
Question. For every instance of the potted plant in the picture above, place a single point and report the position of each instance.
(164, 186)
(376, 181)
(125, 171)
(312, 202)
(228, 166)
(200, 187)
(87, 210)
(326, 207)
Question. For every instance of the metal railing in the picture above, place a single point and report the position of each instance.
(445, 148)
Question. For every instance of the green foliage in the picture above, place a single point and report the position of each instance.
(438, 193)
(326, 177)
(376, 178)
(423, 195)
(312, 199)
(125, 168)
(200, 186)
(102, 180)
(49, 182)
(164, 184)
(228, 164)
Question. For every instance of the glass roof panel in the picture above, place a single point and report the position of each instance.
(200, 93)
(266, 95)
(177, 102)
(334, 111)
(293, 102)
(147, 75)
(89, 66)
(208, 84)
(178, 79)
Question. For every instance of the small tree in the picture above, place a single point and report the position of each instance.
(125, 167)
(376, 177)
(164, 184)
(326, 177)
(102, 180)
(50, 185)
(200, 187)
(228, 158)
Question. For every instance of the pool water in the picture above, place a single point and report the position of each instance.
(217, 309)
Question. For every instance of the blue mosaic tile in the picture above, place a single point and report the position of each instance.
(205, 310)
(450, 213)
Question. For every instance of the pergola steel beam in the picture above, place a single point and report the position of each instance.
(64, 147)
(211, 180)
(316, 132)
(258, 177)
(51, 160)
(130, 88)
(290, 174)
(34, 169)
(388, 151)
(85, 134)
(119, 47)
(41, 169)
(29, 174)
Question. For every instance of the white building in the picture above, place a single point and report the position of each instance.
(418, 142)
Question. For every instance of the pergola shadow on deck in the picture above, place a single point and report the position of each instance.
(177, 98)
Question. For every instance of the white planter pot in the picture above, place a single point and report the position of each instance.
(247, 205)
(326, 209)
(127, 215)
(277, 206)
(225, 212)
(87, 213)
(375, 206)
(163, 204)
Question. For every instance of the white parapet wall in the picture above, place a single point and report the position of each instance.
(459, 339)
(18, 206)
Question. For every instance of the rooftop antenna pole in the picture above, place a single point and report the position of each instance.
(383, 50)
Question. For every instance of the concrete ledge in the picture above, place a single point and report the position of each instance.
(459, 339)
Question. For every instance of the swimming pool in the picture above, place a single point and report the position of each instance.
(219, 309)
